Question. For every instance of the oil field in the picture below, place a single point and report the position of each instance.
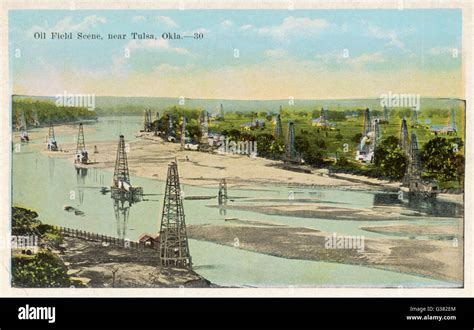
(238, 149)
(206, 191)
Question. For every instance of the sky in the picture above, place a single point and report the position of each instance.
(303, 54)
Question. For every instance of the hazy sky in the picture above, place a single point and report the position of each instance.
(311, 54)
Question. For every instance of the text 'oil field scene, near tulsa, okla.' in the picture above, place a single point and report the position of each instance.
(237, 148)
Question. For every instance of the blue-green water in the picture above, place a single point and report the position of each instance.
(47, 184)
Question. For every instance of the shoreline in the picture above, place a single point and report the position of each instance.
(148, 157)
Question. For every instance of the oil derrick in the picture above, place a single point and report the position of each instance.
(413, 173)
(81, 152)
(222, 196)
(323, 115)
(452, 122)
(367, 122)
(204, 127)
(24, 129)
(147, 121)
(404, 142)
(174, 248)
(157, 123)
(281, 109)
(290, 151)
(121, 174)
(183, 133)
(52, 144)
(385, 113)
(35, 119)
(278, 129)
(170, 135)
(376, 132)
(23, 125)
(121, 185)
(221, 113)
(414, 117)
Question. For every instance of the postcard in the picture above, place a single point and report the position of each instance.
(203, 147)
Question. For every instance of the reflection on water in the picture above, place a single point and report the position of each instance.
(122, 211)
(51, 162)
(81, 174)
(430, 206)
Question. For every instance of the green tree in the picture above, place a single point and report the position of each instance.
(311, 148)
(390, 159)
(442, 158)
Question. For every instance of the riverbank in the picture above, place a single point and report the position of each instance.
(436, 259)
(100, 266)
(148, 156)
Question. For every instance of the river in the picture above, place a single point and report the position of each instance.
(47, 184)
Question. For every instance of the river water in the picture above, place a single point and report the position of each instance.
(47, 184)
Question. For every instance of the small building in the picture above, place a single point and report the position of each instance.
(253, 124)
(321, 122)
(149, 241)
(440, 129)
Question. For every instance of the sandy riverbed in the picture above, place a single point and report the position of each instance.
(149, 156)
(437, 259)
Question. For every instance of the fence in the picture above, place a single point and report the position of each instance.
(101, 238)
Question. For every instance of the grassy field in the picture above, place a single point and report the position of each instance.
(345, 129)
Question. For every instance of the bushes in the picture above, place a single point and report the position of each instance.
(43, 270)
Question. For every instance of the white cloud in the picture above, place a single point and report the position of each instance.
(391, 37)
(67, 25)
(295, 26)
(358, 62)
(246, 27)
(227, 23)
(167, 21)
(276, 53)
(136, 19)
(443, 51)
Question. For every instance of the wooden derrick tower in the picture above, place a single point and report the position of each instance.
(278, 129)
(404, 142)
(174, 248)
(81, 152)
(367, 122)
(121, 185)
(290, 150)
(222, 197)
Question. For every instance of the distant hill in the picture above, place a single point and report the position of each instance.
(135, 105)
